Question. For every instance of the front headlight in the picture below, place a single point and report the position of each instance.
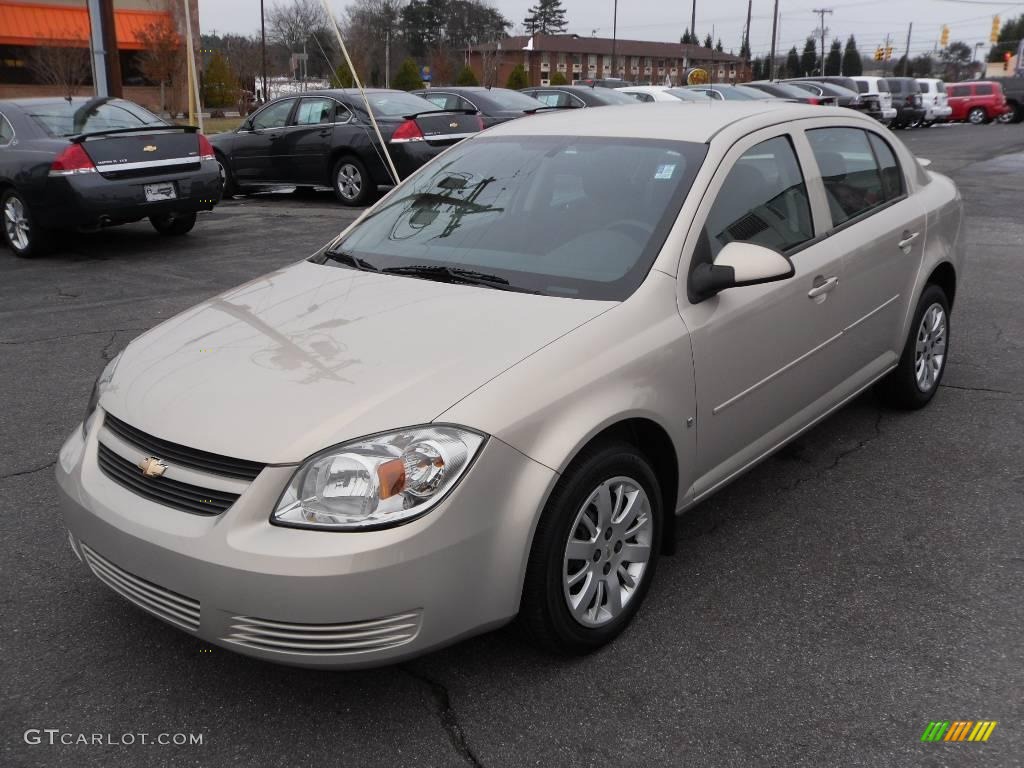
(378, 481)
(97, 390)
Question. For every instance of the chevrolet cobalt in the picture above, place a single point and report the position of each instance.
(491, 395)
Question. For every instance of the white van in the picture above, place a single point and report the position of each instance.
(934, 100)
(879, 87)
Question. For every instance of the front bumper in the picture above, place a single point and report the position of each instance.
(90, 200)
(312, 598)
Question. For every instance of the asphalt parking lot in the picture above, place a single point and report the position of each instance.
(820, 611)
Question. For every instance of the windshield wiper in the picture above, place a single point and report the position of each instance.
(447, 274)
(350, 261)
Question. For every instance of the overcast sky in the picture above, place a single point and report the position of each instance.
(869, 20)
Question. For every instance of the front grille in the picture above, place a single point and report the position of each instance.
(325, 639)
(182, 455)
(162, 490)
(163, 603)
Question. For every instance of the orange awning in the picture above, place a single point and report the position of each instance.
(35, 25)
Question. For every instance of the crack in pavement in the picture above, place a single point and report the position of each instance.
(446, 713)
(29, 471)
(840, 456)
(981, 389)
(8, 342)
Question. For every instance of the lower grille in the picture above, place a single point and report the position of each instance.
(325, 639)
(163, 603)
(170, 493)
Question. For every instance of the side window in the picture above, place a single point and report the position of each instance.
(763, 200)
(892, 176)
(442, 100)
(573, 102)
(315, 112)
(983, 89)
(645, 97)
(273, 116)
(548, 99)
(6, 132)
(853, 183)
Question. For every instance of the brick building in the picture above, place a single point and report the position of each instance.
(28, 25)
(580, 58)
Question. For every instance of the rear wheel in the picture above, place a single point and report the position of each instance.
(594, 551)
(1008, 117)
(228, 188)
(351, 182)
(977, 116)
(21, 233)
(173, 224)
(914, 381)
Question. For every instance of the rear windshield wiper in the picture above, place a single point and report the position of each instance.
(455, 275)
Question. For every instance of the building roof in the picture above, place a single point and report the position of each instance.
(603, 46)
(34, 24)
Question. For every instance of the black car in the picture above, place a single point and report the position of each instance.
(495, 105)
(791, 93)
(906, 98)
(726, 92)
(76, 164)
(325, 138)
(846, 92)
(577, 96)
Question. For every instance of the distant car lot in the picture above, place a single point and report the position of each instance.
(831, 603)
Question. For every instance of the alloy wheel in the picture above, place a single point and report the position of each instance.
(608, 550)
(930, 352)
(976, 116)
(350, 181)
(16, 223)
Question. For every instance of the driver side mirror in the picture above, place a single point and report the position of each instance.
(739, 264)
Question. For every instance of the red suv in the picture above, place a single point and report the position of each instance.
(976, 102)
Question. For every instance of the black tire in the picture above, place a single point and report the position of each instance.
(228, 187)
(977, 116)
(173, 224)
(544, 614)
(30, 240)
(351, 181)
(900, 389)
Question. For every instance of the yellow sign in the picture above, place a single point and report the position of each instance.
(697, 76)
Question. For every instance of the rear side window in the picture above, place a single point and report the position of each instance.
(956, 91)
(6, 131)
(849, 171)
(318, 112)
(892, 176)
(862, 87)
(925, 87)
(443, 100)
(984, 89)
(940, 87)
(883, 86)
(763, 200)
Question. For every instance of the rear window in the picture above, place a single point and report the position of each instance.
(60, 118)
(940, 87)
(398, 104)
(511, 100)
(578, 217)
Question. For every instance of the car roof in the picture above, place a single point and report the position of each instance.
(643, 88)
(682, 121)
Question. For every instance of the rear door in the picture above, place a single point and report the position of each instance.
(309, 139)
(880, 230)
(258, 152)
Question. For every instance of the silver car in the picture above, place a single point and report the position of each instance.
(491, 395)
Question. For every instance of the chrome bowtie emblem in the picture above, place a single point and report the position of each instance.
(152, 467)
(149, 148)
(453, 125)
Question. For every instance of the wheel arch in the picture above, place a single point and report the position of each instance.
(944, 276)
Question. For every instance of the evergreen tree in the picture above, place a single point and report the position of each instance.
(852, 64)
(745, 49)
(342, 77)
(219, 85)
(408, 77)
(558, 79)
(793, 63)
(718, 46)
(708, 42)
(517, 80)
(809, 58)
(547, 17)
(757, 69)
(834, 60)
(466, 77)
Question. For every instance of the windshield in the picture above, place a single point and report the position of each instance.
(58, 117)
(559, 215)
(398, 104)
(512, 101)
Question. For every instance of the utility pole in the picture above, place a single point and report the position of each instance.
(615, 32)
(387, 58)
(775, 29)
(746, 34)
(263, 49)
(106, 64)
(885, 56)
(821, 14)
(906, 56)
(693, 23)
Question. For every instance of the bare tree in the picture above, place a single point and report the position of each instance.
(66, 67)
(163, 56)
(291, 24)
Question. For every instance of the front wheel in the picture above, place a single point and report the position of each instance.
(173, 224)
(1007, 117)
(977, 116)
(914, 381)
(351, 182)
(594, 551)
(21, 233)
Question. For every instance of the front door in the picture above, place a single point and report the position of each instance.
(257, 151)
(765, 356)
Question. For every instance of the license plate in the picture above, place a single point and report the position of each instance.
(157, 192)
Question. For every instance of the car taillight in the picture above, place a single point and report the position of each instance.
(205, 148)
(813, 100)
(407, 131)
(910, 99)
(71, 161)
(480, 122)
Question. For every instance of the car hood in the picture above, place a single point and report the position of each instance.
(312, 355)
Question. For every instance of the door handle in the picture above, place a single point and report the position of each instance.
(823, 287)
(908, 240)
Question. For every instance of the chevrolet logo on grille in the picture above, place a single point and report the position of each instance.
(149, 148)
(152, 467)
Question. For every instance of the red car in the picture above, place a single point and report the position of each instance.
(976, 102)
